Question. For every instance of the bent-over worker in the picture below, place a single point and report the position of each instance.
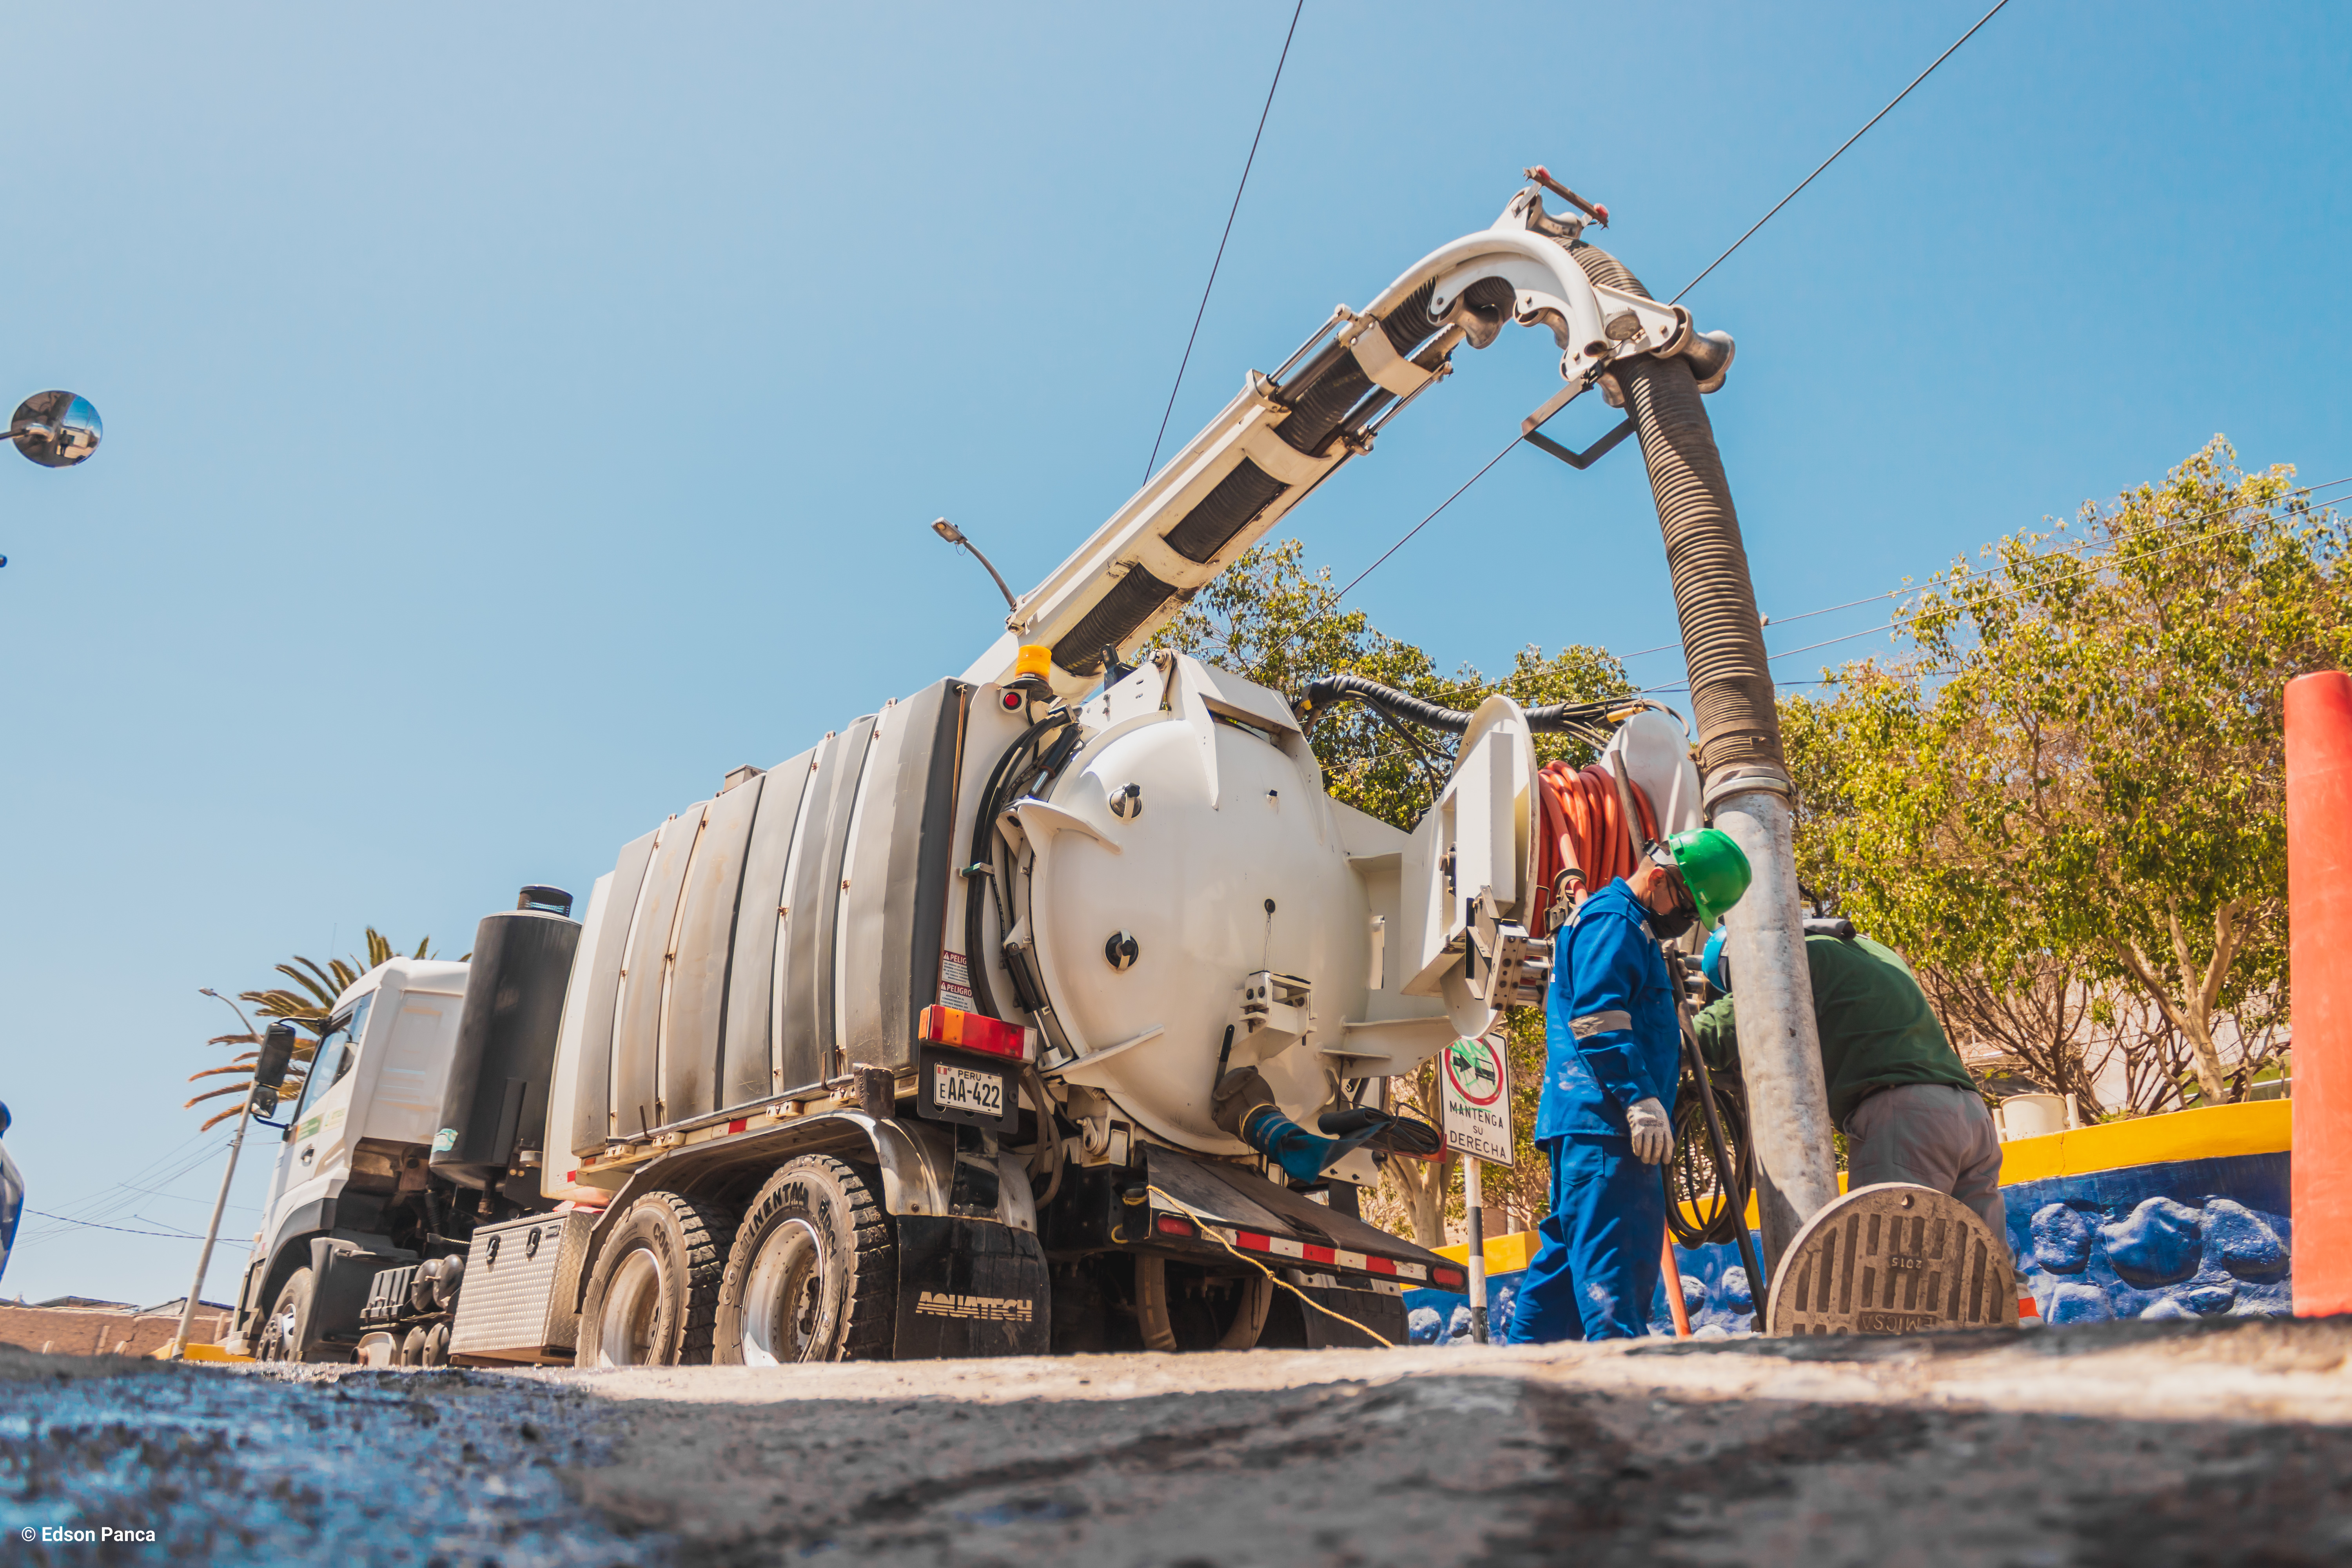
(1909, 1111)
(1612, 1060)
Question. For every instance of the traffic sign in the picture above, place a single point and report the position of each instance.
(1474, 1086)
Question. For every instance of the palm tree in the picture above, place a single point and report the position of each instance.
(308, 1007)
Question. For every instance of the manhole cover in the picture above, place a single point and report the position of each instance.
(1893, 1259)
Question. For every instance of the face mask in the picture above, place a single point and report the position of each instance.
(1685, 913)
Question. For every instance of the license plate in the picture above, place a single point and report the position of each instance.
(962, 1089)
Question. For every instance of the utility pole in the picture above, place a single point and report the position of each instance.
(280, 1044)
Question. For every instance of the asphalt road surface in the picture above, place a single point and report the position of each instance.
(2148, 1444)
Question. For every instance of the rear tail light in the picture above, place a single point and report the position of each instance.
(1174, 1224)
(1452, 1280)
(978, 1032)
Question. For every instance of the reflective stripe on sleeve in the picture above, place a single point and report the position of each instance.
(1593, 1024)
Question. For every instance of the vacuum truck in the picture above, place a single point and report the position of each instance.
(908, 1046)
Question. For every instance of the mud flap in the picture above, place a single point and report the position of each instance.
(970, 1288)
(1291, 1326)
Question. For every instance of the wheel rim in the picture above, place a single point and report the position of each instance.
(625, 1328)
(783, 1298)
(277, 1344)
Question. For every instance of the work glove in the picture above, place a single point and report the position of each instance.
(1238, 1094)
(1653, 1134)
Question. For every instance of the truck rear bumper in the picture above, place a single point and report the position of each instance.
(1192, 1207)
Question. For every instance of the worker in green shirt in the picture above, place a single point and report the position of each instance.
(1908, 1109)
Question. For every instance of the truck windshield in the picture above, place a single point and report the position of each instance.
(337, 1049)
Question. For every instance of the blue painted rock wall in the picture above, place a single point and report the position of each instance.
(2187, 1238)
(2190, 1238)
(1714, 1293)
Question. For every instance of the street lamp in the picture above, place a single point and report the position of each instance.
(54, 429)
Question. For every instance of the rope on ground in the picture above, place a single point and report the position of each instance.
(1210, 1230)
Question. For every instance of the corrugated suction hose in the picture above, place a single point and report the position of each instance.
(1723, 640)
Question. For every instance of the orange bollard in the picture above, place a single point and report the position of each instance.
(2319, 933)
(1673, 1277)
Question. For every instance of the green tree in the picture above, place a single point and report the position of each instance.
(2074, 787)
(1269, 619)
(307, 1003)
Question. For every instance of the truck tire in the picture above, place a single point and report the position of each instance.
(288, 1323)
(1187, 1312)
(412, 1348)
(813, 1272)
(653, 1295)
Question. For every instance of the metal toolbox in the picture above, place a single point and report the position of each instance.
(522, 1287)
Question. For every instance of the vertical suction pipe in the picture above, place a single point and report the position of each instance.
(1746, 780)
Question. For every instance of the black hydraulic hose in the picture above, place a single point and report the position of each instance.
(1723, 640)
(980, 866)
(1733, 1178)
(1329, 385)
(1714, 1169)
(1555, 718)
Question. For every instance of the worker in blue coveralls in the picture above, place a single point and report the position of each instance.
(1612, 1060)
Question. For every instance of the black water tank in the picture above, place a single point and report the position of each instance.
(495, 1107)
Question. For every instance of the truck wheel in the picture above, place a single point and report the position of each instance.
(1181, 1309)
(283, 1330)
(435, 1352)
(813, 1272)
(653, 1293)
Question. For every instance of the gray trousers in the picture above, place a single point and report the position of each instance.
(1935, 1134)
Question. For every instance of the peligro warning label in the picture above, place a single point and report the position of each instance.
(955, 981)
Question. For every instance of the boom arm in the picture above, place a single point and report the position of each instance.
(1277, 440)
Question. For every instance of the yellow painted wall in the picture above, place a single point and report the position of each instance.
(2256, 1127)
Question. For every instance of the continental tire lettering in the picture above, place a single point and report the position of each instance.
(987, 1308)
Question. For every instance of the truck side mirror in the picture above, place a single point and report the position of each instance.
(271, 1069)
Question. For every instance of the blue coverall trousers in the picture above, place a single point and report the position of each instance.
(1596, 1272)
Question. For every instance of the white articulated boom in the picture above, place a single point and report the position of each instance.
(1278, 439)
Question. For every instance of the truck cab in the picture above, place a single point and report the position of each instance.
(351, 1170)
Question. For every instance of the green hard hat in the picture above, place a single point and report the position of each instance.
(1714, 868)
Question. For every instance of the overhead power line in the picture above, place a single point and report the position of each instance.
(1426, 521)
(2084, 569)
(1247, 165)
(1834, 157)
(119, 1229)
(1685, 288)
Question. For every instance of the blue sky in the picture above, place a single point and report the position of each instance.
(515, 422)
